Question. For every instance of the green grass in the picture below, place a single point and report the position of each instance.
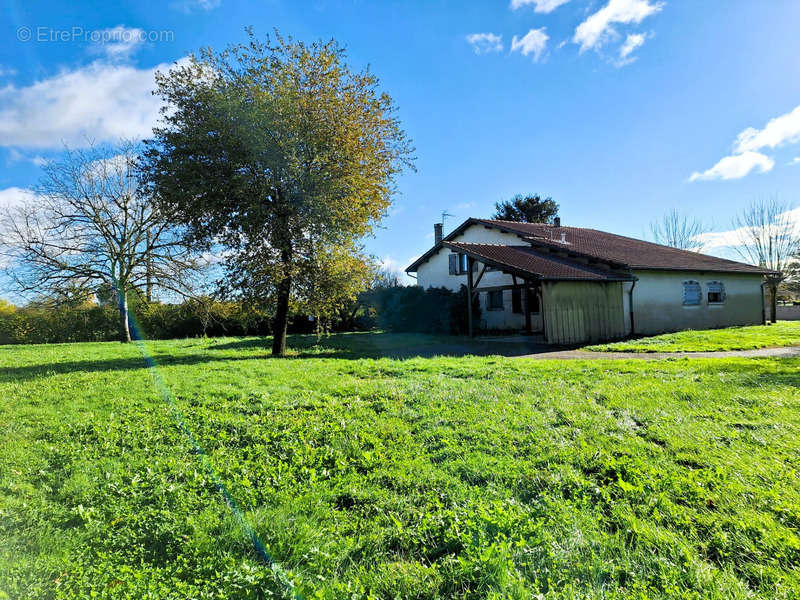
(782, 333)
(445, 477)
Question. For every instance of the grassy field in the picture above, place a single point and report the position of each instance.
(445, 477)
(782, 333)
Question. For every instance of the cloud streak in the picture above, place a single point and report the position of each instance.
(733, 237)
(532, 43)
(736, 167)
(539, 6)
(484, 43)
(747, 155)
(598, 28)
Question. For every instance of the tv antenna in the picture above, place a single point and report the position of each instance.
(445, 214)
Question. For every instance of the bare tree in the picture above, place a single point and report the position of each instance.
(769, 237)
(678, 231)
(89, 226)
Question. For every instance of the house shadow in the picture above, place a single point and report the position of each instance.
(348, 346)
(393, 345)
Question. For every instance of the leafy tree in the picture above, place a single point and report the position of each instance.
(280, 154)
(90, 227)
(6, 307)
(678, 231)
(769, 237)
(531, 208)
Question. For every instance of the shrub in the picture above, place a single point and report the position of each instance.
(57, 324)
(414, 309)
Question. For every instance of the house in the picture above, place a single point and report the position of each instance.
(575, 285)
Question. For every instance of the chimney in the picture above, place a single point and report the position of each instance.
(556, 221)
(437, 233)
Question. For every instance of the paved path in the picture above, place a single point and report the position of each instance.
(788, 352)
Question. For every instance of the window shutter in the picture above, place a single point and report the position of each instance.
(691, 293)
(453, 264)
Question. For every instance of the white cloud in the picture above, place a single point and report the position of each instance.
(119, 42)
(396, 268)
(778, 131)
(633, 41)
(540, 6)
(534, 42)
(794, 161)
(483, 43)
(736, 167)
(631, 44)
(190, 6)
(733, 237)
(598, 28)
(15, 196)
(100, 101)
(15, 155)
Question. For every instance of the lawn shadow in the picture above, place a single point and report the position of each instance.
(337, 346)
(394, 345)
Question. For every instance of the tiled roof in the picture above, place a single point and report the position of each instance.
(608, 247)
(524, 260)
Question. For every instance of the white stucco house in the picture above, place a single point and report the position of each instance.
(575, 285)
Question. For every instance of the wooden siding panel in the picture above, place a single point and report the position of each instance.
(578, 312)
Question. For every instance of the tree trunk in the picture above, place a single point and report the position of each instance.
(124, 330)
(773, 302)
(281, 323)
(148, 294)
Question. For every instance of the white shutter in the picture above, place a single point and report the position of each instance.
(691, 293)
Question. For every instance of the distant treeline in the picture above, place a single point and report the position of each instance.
(390, 308)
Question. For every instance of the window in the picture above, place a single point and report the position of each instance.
(494, 300)
(516, 301)
(462, 263)
(716, 292)
(691, 293)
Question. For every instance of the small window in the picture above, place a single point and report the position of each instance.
(462, 263)
(691, 293)
(716, 292)
(495, 300)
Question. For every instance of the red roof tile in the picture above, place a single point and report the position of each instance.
(525, 260)
(608, 247)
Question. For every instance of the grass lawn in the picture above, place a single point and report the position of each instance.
(444, 477)
(782, 333)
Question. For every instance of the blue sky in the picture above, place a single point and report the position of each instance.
(619, 110)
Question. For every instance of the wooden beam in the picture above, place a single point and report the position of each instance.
(526, 306)
(470, 262)
(480, 276)
(492, 288)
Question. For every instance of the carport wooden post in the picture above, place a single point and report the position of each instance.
(526, 305)
(470, 262)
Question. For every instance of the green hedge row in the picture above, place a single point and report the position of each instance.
(40, 325)
(395, 308)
